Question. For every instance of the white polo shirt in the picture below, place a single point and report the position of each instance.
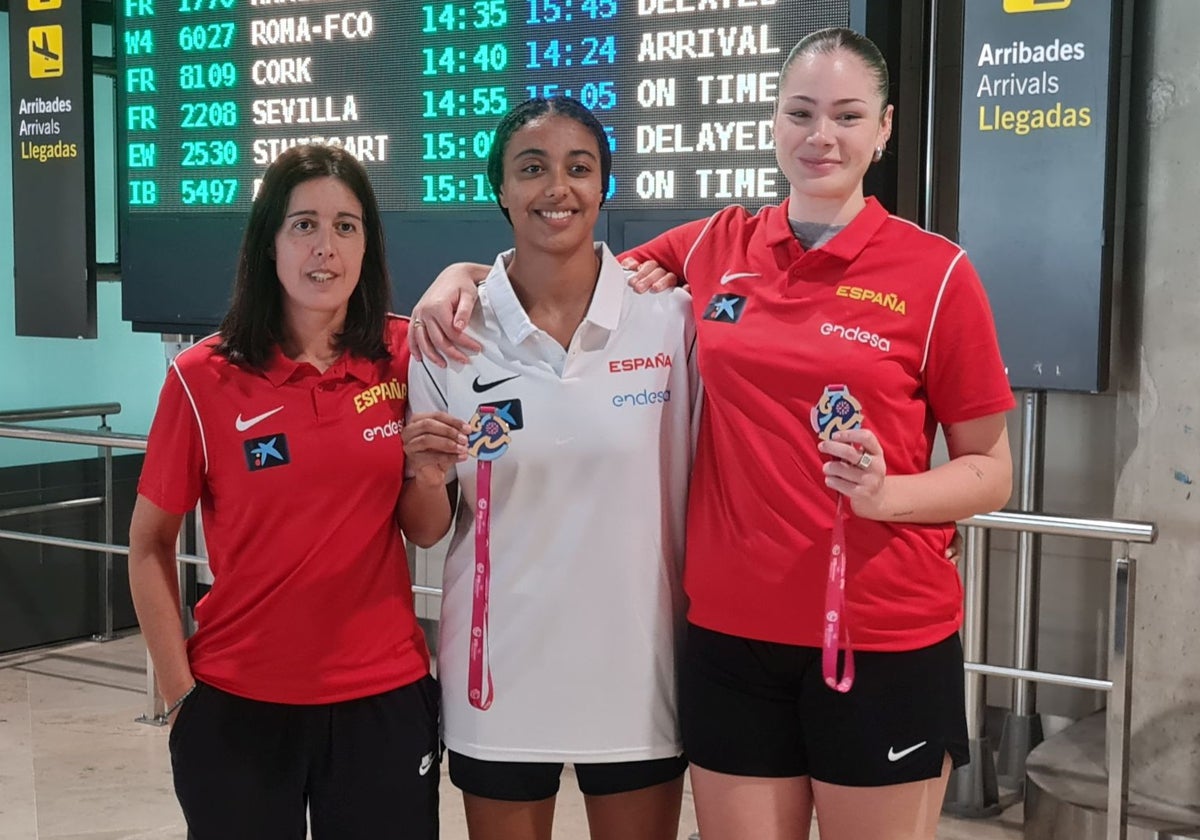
(587, 526)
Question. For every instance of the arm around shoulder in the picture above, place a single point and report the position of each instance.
(443, 312)
(669, 249)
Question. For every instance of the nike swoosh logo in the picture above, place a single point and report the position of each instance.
(426, 763)
(730, 276)
(243, 425)
(896, 756)
(479, 387)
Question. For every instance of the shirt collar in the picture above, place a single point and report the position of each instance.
(605, 310)
(279, 369)
(849, 241)
(498, 295)
(357, 367)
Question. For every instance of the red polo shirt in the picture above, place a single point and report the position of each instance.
(895, 313)
(297, 474)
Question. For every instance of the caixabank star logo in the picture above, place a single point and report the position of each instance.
(266, 452)
(725, 308)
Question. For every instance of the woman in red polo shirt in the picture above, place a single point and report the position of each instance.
(305, 691)
(823, 668)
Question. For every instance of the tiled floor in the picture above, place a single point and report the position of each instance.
(75, 766)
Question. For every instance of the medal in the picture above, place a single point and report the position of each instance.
(490, 434)
(837, 410)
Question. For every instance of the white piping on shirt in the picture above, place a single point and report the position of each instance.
(192, 400)
(696, 244)
(942, 290)
(937, 304)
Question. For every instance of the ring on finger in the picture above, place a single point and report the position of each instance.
(417, 322)
(864, 461)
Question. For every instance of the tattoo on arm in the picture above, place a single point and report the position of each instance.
(975, 469)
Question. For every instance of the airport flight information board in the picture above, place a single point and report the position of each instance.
(212, 90)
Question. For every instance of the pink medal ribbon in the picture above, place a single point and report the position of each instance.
(835, 606)
(836, 411)
(489, 439)
(483, 578)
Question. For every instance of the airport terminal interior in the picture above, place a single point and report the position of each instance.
(1054, 140)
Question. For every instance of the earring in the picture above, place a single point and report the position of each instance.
(878, 154)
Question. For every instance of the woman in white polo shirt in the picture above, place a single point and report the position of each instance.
(562, 599)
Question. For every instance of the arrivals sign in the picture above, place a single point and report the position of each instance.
(50, 51)
(1037, 180)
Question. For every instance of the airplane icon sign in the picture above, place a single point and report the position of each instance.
(45, 52)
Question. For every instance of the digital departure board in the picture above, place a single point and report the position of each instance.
(211, 91)
(214, 90)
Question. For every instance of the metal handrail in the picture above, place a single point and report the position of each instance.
(1066, 526)
(62, 412)
(1120, 664)
(1039, 676)
(89, 545)
(106, 440)
(110, 440)
(49, 507)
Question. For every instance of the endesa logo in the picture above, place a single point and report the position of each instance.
(857, 335)
(393, 390)
(888, 300)
(662, 360)
(387, 430)
(641, 398)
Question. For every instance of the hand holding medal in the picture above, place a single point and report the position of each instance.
(433, 443)
(857, 468)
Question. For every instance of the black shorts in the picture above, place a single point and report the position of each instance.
(362, 769)
(530, 781)
(754, 708)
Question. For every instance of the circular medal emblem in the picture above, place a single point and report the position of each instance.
(489, 437)
(836, 411)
